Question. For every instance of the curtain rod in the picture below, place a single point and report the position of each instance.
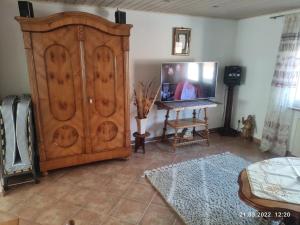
(282, 15)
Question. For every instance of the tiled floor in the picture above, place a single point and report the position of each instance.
(111, 192)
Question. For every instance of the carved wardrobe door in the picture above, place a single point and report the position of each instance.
(105, 89)
(58, 77)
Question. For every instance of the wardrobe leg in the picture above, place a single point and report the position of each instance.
(45, 173)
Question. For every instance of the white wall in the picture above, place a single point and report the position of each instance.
(150, 45)
(257, 43)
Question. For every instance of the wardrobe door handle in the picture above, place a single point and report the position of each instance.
(90, 100)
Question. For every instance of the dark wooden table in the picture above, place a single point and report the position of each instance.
(186, 123)
(140, 141)
(289, 213)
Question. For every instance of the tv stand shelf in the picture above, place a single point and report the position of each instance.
(186, 123)
(177, 124)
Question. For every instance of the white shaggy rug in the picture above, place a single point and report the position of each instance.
(204, 191)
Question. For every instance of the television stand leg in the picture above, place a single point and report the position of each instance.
(176, 138)
(194, 117)
(165, 126)
(206, 125)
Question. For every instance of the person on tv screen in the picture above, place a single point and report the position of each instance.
(186, 90)
(180, 82)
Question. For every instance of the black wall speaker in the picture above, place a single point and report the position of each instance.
(25, 8)
(232, 75)
(120, 17)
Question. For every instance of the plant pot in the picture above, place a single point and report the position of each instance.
(141, 125)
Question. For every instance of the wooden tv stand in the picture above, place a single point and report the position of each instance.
(177, 124)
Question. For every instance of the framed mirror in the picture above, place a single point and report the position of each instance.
(181, 41)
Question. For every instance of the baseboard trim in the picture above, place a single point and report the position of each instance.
(288, 153)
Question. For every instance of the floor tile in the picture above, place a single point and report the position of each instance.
(8, 201)
(158, 200)
(109, 167)
(26, 212)
(4, 216)
(26, 222)
(57, 213)
(101, 202)
(178, 221)
(141, 180)
(132, 171)
(86, 217)
(119, 183)
(72, 176)
(158, 215)
(56, 190)
(77, 196)
(31, 188)
(139, 192)
(129, 211)
(93, 181)
(115, 221)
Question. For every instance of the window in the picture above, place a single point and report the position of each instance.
(296, 96)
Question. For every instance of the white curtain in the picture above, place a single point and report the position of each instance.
(283, 91)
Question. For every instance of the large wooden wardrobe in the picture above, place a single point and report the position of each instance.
(78, 72)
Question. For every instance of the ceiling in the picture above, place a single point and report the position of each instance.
(229, 9)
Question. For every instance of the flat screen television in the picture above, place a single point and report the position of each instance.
(183, 81)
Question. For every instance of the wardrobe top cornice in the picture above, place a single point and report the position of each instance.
(48, 23)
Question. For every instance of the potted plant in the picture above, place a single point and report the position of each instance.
(144, 97)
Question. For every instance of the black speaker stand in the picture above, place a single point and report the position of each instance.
(227, 130)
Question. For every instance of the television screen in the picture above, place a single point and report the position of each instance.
(188, 80)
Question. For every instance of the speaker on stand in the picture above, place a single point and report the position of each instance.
(25, 9)
(120, 17)
(232, 78)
